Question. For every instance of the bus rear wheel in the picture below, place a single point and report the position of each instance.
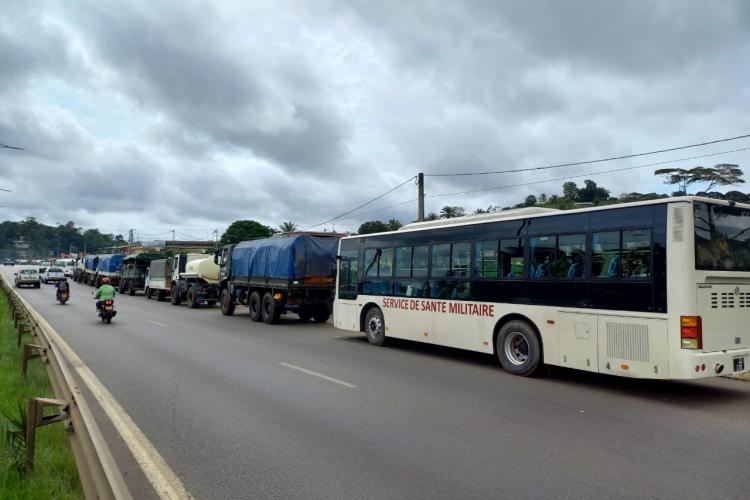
(375, 326)
(518, 348)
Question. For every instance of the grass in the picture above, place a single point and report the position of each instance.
(55, 475)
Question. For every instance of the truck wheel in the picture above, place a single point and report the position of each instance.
(321, 315)
(121, 286)
(161, 295)
(147, 291)
(227, 304)
(271, 310)
(191, 302)
(174, 297)
(518, 348)
(375, 326)
(131, 288)
(255, 307)
(304, 315)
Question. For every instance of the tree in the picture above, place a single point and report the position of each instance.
(242, 230)
(542, 199)
(570, 191)
(394, 225)
(723, 174)
(373, 226)
(449, 212)
(287, 227)
(737, 196)
(431, 216)
(591, 193)
(530, 201)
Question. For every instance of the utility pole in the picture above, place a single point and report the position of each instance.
(420, 186)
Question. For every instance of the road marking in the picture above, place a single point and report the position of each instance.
(320, 375)
(165, 482)
(156, 323)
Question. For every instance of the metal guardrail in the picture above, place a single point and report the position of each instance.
(100, 476)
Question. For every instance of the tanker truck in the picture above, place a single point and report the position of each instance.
(273, 276)
(187, 277)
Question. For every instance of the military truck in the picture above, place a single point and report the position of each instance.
(134, 270)
(273, 276)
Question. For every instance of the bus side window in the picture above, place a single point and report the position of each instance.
(571, 256)
(543, 257)
(605, 255)
(636, 253)
(511, 258)
(460, 260)
(485, 261)
(419, 261)
(441, 260)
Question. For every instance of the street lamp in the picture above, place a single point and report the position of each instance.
(58, 240)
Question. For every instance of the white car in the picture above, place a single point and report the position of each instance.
(27, 275)
(53, 274)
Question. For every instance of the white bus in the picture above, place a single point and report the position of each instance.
(657, 289)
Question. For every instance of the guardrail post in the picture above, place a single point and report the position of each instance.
(28, 353)
(21, 327)
(37, 418)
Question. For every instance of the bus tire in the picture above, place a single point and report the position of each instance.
(227, 304)
(518, 348)
(375, 326)
(254, 306)
(271, 310)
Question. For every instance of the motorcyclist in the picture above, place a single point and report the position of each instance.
(62, 286)
(104, 292)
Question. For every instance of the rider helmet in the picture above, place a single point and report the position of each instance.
(105, 281)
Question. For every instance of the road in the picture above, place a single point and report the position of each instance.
(246, 410)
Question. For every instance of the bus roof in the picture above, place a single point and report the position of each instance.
(528, 212)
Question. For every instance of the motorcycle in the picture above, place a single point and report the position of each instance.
(63, 297)
(107, 311)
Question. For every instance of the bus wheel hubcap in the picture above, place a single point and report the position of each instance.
(516, 348)
(374, 326)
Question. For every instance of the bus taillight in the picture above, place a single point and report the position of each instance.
(691, 332)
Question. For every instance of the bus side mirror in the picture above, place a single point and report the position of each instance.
(216, 258)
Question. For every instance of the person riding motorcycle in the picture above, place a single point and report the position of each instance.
(104, 292)
(62, 286)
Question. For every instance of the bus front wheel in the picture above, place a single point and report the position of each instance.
(518, 348)
(375, 326)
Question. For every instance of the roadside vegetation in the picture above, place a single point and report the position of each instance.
(55, 474)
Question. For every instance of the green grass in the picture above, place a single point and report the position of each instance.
(55, 475)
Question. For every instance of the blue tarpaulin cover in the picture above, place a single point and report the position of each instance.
(110, 263)
(285, 257)
(90, 262)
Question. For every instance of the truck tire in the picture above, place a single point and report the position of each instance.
(121, 286)
(375, 326)
(174, 297)
(227, 304)
(161, 295)
(321, 315)
(255, 306)
(131, 288)
(305, 315)
(147, 291)
(191, 302)
(271, 310)
(518, 348)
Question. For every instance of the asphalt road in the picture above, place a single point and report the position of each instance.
(233, 408)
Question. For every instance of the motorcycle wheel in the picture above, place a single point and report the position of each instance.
(109, 319)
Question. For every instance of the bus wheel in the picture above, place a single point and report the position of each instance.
(270, 309)
(227, 304)
(375, 326)
(518, 348)
(254, 306)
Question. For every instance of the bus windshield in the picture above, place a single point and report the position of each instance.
(722, 237)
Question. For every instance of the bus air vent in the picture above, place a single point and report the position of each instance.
(627, 341)
(678, 224)
(729, 300)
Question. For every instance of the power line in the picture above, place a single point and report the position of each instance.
(3, 145)
(586, 175)
(592, 161)
(362, 205)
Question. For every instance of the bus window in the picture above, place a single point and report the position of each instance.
(605, 258)
(542, 257)
(385, 266)
(371, 262)
(485, 263)
(403, 261)
(419, 262)
(636, 253)
(441, 260)
(460, 260)
(571, 253)
(511, 258)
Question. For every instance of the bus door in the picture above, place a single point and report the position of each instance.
(345, 314)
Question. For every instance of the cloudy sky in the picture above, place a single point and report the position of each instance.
(188, 115)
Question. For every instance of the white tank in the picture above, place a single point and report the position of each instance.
(203, 268)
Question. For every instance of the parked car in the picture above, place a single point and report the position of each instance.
(53, 274)
(27, 276)
(8, 262)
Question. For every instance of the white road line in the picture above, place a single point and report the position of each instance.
(320, 375)
(164, 481)
(156, 323)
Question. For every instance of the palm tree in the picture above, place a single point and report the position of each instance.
(288, 227)
(431, 216)
(449, 212)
